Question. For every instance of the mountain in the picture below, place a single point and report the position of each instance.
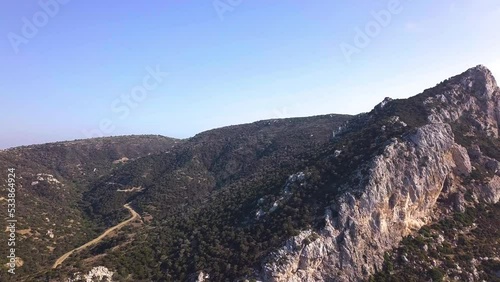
(210, 161)
(50, 180)
(445, 159)
(406, 192)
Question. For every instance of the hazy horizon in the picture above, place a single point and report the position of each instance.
(70, 67)
(186, 137)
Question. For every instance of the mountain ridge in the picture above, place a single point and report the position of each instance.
(355, 257)
(324, 198)
(339, 172)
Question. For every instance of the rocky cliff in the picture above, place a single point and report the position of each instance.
(287, 200)
(401, 185)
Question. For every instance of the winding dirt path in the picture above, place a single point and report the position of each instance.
(134, 215)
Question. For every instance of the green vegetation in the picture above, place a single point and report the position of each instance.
(211, 225)
(44, 206)
(452, 244)
(222, 201)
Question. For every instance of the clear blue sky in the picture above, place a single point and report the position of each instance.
(256, 60)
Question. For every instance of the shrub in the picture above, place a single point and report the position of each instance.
(436, 274)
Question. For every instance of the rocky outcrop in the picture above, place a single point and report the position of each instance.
(401, 190)
(98, 273)
(475, 95)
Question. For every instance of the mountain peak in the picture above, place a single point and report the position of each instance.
(480, 81)
(472, 94)
(480, 72)
(481, 68)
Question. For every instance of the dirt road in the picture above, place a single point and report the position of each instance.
(134, 214)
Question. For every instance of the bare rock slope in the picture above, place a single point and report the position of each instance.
(400, 192)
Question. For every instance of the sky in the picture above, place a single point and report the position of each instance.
(79, 69)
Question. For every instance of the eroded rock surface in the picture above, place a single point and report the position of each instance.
(401, 191)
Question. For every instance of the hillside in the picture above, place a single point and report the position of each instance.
(210, 161)
(325, 198)
(50, 180)
(324, 211)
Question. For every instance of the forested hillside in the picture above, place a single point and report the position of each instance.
(50, 180)
(226, 199)
(325, 198)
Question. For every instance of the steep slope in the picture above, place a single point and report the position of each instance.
(462, 247)
(171, 185)
(327, 212)
(50, 180)
(182, 178)
(401, 186)
(287, 200)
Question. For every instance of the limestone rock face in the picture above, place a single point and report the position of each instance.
(401, 190)
(475, 94)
